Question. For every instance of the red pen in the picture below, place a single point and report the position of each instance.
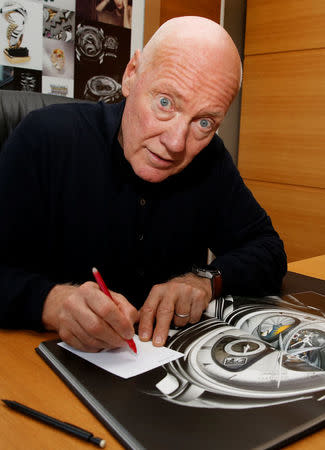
(104, 288)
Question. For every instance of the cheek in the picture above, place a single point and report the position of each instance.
(140, 122)
(146, 124)
(195, 146)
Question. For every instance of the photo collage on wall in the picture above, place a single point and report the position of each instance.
(71, 48)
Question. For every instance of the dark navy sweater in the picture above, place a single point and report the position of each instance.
(70, 201)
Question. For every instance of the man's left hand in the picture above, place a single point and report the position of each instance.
(187, 296)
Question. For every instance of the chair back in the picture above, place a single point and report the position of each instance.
(15, 105)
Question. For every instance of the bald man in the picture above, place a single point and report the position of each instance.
(141, 190)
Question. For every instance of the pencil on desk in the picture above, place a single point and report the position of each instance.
(104, 288)
(63, 426)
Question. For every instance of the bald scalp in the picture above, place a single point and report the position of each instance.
(198, 38)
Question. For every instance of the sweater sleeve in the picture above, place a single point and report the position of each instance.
(251, 255)
(23, 287)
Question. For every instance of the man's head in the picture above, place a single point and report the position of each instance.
(177, 91)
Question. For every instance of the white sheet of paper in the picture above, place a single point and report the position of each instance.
(126, 364)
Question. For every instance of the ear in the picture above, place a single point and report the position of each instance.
(130, 73)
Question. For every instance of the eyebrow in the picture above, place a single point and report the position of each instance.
(213, 114)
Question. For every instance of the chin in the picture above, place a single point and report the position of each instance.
(151, 175)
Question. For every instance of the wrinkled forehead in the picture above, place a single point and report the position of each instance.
(195, 59)
(204, 73)
(189, 50)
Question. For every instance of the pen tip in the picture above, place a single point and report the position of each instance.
(132, 345)
(94, 270)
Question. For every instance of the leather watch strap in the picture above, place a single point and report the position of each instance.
(216, 283)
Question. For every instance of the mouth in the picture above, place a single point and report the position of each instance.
(158, 161)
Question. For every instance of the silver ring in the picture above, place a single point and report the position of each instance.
(182, 316)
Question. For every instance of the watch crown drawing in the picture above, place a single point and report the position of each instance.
(16, 16)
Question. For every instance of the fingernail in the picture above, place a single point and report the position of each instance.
(145, 336)
(157, 340)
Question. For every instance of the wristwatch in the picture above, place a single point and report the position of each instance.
(214, 275)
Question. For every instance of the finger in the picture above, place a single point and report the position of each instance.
(183, 308)
(75, 342)
(97, 328)
(164, 316)
(85, 344)
(194, 300)
(74, 335)
(182, 321)
(148, 314)
(85, 323)
(106, 308)
(198, 306)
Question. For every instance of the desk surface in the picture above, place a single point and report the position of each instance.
(312, 267)
(25, 377)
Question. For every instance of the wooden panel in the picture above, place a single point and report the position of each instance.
(278, 25)
(282, 132)
(204, 8)
(151, 19)
(297, 213)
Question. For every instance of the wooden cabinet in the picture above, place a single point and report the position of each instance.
(282, 133)
(279, 26)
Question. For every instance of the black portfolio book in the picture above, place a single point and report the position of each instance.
(252, 377)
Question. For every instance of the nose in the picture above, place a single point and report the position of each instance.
(175, 135)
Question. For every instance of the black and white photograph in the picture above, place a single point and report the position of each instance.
(101, 55)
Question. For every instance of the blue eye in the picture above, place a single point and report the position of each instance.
(164, 102)
(204, 123)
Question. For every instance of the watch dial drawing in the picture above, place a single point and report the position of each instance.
(244, 355)
(93, 45)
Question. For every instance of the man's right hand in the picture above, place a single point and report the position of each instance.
(87, 319)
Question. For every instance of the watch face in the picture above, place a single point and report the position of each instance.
(273, 326)
(266, 356)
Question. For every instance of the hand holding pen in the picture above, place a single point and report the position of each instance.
(105, 290)
(87, 319)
